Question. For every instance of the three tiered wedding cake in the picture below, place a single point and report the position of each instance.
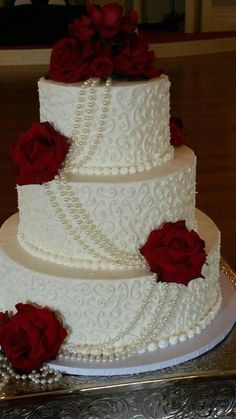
(107, 234)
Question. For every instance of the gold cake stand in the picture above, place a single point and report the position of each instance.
(201, 388)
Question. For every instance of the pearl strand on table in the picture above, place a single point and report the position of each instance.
(43, 376)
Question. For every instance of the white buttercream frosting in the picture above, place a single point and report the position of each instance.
(135, 134)
(113, 315)
(76, 247)
(97, 224)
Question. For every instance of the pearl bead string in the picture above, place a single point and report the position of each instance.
(82, 127)
(148, 333)
(101, 127)
(43, 376)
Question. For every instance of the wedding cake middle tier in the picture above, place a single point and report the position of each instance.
(101, 222)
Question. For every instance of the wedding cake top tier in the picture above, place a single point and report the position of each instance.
(114, 127)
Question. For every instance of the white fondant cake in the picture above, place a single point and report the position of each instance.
(76, 248)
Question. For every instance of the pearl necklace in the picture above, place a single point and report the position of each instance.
(81, 137)
(43, 376)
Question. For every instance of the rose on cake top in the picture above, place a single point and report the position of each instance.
(104, 43)
(39, 154)
(108, 21)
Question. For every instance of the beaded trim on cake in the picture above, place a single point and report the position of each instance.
(124, 170)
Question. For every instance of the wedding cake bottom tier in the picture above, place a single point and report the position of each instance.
(112, 314)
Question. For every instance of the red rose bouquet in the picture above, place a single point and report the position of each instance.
(39, 154)
(30, 337)
(174, 253)
(103, 43)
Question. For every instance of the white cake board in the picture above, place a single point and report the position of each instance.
(162, 358)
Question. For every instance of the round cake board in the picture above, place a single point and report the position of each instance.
(211, 336)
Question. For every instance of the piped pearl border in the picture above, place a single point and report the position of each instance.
(98, 264)
(125, 170)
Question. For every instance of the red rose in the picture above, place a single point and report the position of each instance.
(176, 132)
(104, 32)
(94, 12)
(129, 23)
(70, 61)
(82, 28)
(102, 67)
(175, 253)
(31, 337)
(107, 19)
(135, 59)
(39, 154)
